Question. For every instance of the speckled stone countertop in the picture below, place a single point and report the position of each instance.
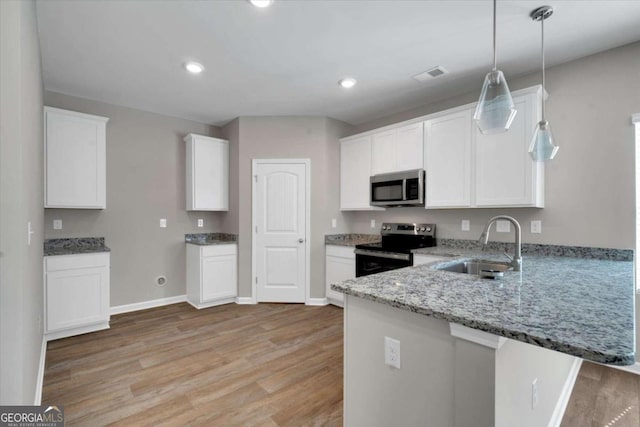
(73, 246)
(582, 307)
(206, 239)
(351, 239)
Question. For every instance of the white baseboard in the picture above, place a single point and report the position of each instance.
(127, 308)
(565, 394)
(317, 301)
(634, 369)
(245, 300)
(37, 400)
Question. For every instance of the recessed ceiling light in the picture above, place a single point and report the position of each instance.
(194, 67)
(261, 3)
(347, 82)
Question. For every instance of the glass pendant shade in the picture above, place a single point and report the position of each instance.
(495, 110)
(543, 147)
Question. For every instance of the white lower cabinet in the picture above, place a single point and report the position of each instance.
(340, 264)
(419, 259)
(76, 294)
(212, 275)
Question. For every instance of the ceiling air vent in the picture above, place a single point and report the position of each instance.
(430, 74)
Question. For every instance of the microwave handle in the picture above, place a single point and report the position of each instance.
(404, 189)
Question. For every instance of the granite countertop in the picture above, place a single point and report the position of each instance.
(73, 246)
(351, 239)
(583, 307)
(206, 239)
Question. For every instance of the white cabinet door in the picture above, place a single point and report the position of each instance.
(409, 146)
(505, 174)
(207, 173)
(383, 152)
(212, 275)
(219, 277)
(76, 294)
(340, 265)
(75, 160)
(447, 160)
(397, 149)
(355, 170)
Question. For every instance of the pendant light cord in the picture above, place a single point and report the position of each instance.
(542, 52)
(495, 56)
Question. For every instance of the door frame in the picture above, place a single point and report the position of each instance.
(307, 244)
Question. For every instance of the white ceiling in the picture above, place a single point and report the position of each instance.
(287, 59)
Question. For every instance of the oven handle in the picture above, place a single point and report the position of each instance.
(403, 257)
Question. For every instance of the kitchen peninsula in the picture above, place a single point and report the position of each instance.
(483, 352)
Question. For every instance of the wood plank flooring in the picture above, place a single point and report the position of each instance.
(232, 365)
(603, 397)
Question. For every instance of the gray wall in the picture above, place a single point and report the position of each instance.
(315, 138)
(145, 182)
(21, 201)
(589, 196)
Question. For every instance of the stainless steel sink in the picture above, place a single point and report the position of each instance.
(479, 268)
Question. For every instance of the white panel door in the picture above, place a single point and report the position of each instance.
(447, 160)
(219, 278)
(280, 231)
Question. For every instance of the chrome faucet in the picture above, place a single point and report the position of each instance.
(516, 260)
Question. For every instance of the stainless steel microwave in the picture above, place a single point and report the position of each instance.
(397, 189)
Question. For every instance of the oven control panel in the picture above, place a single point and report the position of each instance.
(411, 229)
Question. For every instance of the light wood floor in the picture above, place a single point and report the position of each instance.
(257, 365)
(603, 397)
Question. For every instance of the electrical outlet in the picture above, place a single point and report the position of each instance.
(392, 352)
(373, 223)
(534, 394)
(536, 227)
(503, 226)
(465, 225)
(57, 224)
(163, 223)
(200, 222)
(334, 223)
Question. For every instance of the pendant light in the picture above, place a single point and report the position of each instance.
(543, 147)
(495, 110)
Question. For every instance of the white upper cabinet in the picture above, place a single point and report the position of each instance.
(397, 149)
(207, 173)
(75, 160)
(505, 174)
(447, 160)
(355, 170)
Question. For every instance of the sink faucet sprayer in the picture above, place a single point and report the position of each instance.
(516, 260)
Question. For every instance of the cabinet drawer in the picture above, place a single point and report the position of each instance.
(215, 250)
(70, 262)
(340, 251)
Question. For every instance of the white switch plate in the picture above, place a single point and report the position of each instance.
(200, 222)
(163, 223)
(392, 352)
(57, 224)
(334, 223)
(503, 226)
(536, 227)
(29, 233)
(465, 226)
(534, 394)
(373, 223)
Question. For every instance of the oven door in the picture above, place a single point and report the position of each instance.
(372, 262)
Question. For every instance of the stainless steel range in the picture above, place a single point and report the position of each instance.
(398, 240)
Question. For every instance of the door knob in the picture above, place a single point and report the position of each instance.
(300, 240)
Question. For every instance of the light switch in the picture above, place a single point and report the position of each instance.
(465, 225)
(334, 223)
(503, 226)
(200, 222)
(163, 223)
(57, 224)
